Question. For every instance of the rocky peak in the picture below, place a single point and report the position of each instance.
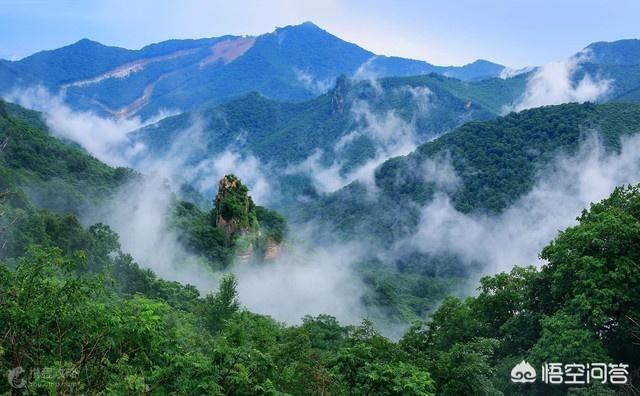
(234, 209)
(237, 216)
(339, 94)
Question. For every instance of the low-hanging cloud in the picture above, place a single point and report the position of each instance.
(188, 161)
(305, 282)
(311, 83)
(555, 83)
(441, 173)
(102, 137)
(140, 213)
(517, 235)
(389, 133)
(508, 72)
(367, 71)
(420, 95)
(206, 174)
(300, 282)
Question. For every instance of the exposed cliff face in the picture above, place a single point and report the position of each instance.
(339, 95)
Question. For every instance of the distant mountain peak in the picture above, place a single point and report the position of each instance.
(292, 63)
(303, 28)
(620, 52)
(309, 24)
(303, 25)
(482, 62)
(85, 42)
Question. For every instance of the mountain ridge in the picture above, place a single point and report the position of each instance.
(293, 63)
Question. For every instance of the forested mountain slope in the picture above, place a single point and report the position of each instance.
(52, 173)
(40, 173)
(496, 162)
(146, 334)
(285, 133)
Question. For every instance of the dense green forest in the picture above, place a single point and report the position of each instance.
(496, 162)
(43, 187)
(417, 236)
(80, 316)
(54, 174)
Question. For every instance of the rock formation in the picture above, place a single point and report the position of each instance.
(339, 94)
(235, 215)
(234, 209)
(272, 249)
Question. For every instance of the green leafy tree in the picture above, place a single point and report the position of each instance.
(217, 308)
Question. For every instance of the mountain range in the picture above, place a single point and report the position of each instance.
(293, 63)
(336, 130)
(303, 101)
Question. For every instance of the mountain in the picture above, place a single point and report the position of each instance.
(620, 52)
(64, 286)
(292, 63)
(617, 63)
(354, 124)
(48, 172)
(286, 135)
(496, 162)
(286, 132)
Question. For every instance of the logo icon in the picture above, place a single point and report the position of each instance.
(13, 376)
(523, 373)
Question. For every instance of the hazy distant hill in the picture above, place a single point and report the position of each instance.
(283, 132)
(620, 52)
(292, 63)
(356, 124)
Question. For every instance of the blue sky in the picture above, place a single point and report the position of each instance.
(512, 32)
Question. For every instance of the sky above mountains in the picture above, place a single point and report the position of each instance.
(514, 33)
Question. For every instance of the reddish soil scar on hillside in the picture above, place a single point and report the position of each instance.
(228, 50)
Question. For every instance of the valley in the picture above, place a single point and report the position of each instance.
(290, 213)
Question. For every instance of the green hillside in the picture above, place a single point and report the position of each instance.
(283, 135)
(497, 162)
(53, 174)
(119, 329)
(287, 132)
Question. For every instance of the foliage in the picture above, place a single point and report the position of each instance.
(54, 175)
(496, 162)
(216, 309)
(272, 224)
(579, 307)
(74, 333)
(81, 317)
(197, 232)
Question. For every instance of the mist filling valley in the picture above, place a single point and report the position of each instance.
(311, 278)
